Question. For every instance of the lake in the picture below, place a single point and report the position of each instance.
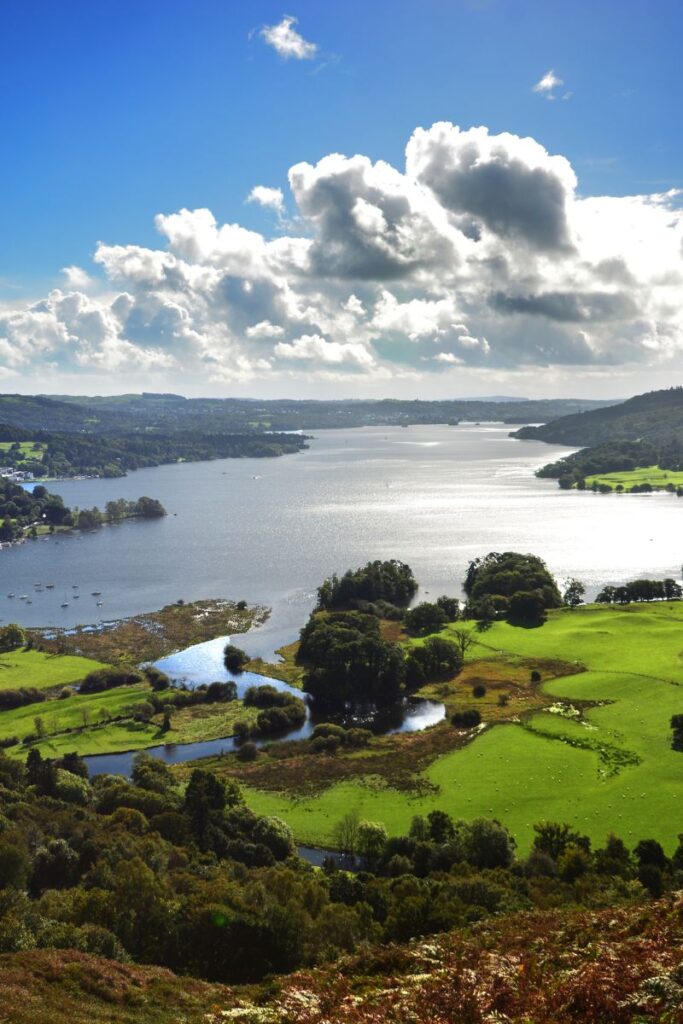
(269, 530)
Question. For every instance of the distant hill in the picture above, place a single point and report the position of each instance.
(168, 413)
(655, 417)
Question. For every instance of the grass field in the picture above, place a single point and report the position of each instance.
(658, 478)
(98, 723)
(30, 450)
(613, 770)
(36, 670)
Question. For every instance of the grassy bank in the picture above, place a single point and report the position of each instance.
(658, 478)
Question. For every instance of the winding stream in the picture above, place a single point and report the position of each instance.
(203, 663)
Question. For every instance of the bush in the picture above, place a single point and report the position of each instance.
(247, 752)
(234, 658)
(109, 678)
(479, 690)
(468, 719)
(535, 676)
(157, 679)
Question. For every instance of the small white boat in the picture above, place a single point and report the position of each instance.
(11, 595)
(65, 604)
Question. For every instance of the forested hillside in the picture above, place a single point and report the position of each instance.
(656, 417)
(166, 414)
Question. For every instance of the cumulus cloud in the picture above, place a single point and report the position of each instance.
(286, 41)
(511, 186)
(76, 277)
(480, 253)
(548, 85)
(270, 198)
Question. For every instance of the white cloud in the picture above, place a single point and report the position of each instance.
(270, 198)
(480, 253)
(311, 347)
(548, 85)
(285, 39)
(265, 329)
(76, 277)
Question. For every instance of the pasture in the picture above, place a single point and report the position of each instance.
(610, 769)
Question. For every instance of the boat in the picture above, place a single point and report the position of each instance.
(24, 597)
(49, 586)
(96, 593)
(76, 597)
(74, 586)
(11, 595)
(65, 604)
(100, 603)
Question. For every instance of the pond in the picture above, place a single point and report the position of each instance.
(203, 663)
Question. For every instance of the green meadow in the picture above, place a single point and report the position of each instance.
(612, 770)
(658, 478)
(40, 671)
(30, 450)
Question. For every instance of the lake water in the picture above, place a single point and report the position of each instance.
(269, 530)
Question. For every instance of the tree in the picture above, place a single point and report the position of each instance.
(14, 866)
(553, 838)
(508, 573)
(346, 660)
(234, 658)
(149, 508)
(345, 832)
(450, 605)
(488, 844)
(463, 640)
(391, 581)
(425, 618)
(573, 594)
(12, 636)
(371, 839)
(526, 608)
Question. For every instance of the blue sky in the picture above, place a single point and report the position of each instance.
(117, 110)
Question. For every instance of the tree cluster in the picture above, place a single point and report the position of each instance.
(641, 590)
(391, 582)
(517, 586)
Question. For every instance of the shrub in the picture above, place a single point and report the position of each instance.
(109, 678)
(468, 719)
(248, 751)
(479, 690)
(234, 658)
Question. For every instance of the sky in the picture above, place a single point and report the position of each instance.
(410, 198)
